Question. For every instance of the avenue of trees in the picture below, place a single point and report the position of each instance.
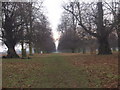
(94, 25)
(25, 23)
(84, 26)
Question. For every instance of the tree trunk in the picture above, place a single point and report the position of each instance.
(11, 53)
(30, 49)
(35, 51)
(30, 44)
(23, 50)
(104, 48)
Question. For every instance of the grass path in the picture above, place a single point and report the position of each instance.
(60, 73)
(47, 71)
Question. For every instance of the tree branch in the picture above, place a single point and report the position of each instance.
(80, 23)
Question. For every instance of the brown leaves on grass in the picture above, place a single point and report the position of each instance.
(97, 71)
(22, 64)
(103, 68)
(20, 72)
(94, 59)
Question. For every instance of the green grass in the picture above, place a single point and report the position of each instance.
(58, 71)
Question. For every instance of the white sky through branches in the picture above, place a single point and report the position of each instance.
(54, 11)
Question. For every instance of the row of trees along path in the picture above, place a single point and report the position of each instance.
(93, 19)
(25, 23)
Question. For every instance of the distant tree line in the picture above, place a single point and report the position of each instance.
(93, 25)
(25, 23)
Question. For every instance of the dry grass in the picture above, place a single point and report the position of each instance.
(102, 67)
(63, 70)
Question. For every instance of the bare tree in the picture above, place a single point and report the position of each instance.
(91, 18)
(69, 41)
(11, 26)
(42, 35)
(114, 7)
(17, 25)
(69, 38)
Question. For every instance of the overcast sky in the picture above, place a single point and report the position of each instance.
(54, 11)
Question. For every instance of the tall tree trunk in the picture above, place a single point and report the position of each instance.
(104, 47)
(35, 51)
(23, 51)
(30, 49)
(11, 53)
(30, 44)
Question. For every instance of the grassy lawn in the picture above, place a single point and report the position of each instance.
(61, 71)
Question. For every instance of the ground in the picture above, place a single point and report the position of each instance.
(63, 70)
